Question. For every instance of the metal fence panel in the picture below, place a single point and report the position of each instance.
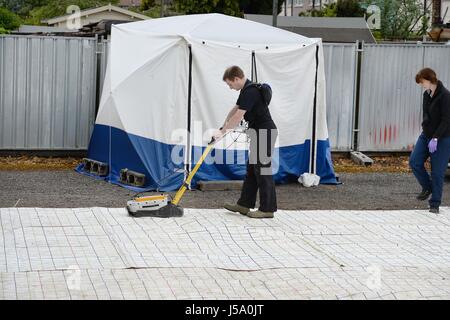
(47, 92)
(438, 59)
(340, 77)
(104, 48)
(390, 101)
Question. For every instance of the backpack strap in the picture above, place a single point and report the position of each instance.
(252, 84)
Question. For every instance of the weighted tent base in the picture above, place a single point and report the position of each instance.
(168, 211)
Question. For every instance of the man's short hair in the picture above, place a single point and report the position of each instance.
(233, 72)
(426, 74)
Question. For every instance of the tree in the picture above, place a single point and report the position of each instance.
(400, 19)
(8, 20)
(349, 8)
(229, 7)
(11, 5)
(54, 8)
(259, 6)
(147, 4)
(329, 10)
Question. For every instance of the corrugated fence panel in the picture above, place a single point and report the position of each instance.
(438, 59)
(47, 92)
(340, 75)
(104, 49)
(390, 109)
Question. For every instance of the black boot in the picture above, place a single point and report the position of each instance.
(434, 209)
(423, 195)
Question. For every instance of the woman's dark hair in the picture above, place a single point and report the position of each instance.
(426, 74)
(233, 72)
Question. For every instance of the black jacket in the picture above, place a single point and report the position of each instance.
(436, 113)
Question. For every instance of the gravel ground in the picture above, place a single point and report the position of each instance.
(68, 189)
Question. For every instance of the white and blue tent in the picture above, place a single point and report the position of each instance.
(163, 91)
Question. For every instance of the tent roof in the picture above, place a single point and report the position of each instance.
(217, 27)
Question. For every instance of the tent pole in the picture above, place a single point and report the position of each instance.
(188, 143)
(253, 66)
(313, 141)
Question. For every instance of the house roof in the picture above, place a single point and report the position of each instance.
(35, 29)
(330, 29)
(91, 11)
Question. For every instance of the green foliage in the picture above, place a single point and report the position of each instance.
(153, 12)
(377, 35)
(259, 6)
(11, 5)
(9, 20)
(147, 4)
(228, 7)
(152, 8)
(349, 8)
(3, 30)
(341, 8)
(399, 18)
(329, 10)
(54, 8)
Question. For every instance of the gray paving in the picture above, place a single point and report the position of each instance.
(103, 253)
(69, 189)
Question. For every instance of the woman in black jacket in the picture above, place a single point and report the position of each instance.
(434, 141)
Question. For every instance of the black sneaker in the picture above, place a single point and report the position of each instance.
(434, 210)
(423, 195)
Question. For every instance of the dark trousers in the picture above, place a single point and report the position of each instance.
(259, 173)
(439, 162)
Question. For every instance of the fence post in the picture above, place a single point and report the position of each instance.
(99, 70)
(359, 58)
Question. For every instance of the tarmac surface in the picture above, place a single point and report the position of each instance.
(358, 191)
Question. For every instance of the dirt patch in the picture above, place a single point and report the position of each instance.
(381, 164)
(37, 163)
(341, 165)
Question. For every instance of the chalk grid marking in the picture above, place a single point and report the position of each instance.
(103, 253)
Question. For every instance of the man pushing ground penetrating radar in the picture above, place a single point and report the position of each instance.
(253, 106)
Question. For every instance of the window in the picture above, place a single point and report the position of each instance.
(298, 3)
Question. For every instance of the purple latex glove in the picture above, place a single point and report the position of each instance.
(432, 145)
